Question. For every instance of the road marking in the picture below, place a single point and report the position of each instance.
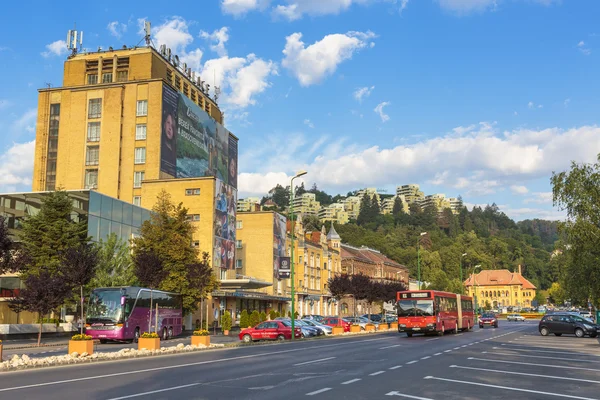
(552, 358)
(155, 391)
(396, 367)
(573, 353)
(464, 345)
(456, 348)
(318, 391)
(526, 374)
(408, 396)
(447, 351)
(437, 354)
(377, 373)
(425, 358)
(412, 362)
(509, 388)
(389, 347)
(141, 371)
(458, 334)
(351, 381)
(429, 340)
(314, 361)
(532, 364)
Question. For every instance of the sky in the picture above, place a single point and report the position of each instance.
(478, 98)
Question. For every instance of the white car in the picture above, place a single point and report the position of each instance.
(515, 317)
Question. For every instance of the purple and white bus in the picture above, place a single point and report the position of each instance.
(123, 313)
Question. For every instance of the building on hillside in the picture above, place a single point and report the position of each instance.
(374, 264)
(104, 215)
(437, 200)
(501, 288)
(387, 205)
(334, 213)
(455, 204)
(351, 206)
(411, 192)
(248, 204)
(369, 192)
(306, 204)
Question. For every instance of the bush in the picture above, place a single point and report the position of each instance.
(80, 337)
(277, 315)
(263, 316)
(55, 321)
(272, 314)
(289, 314)
(201, 332)
(149, 335)
(254, 318)
(226, 321)
(244, 319)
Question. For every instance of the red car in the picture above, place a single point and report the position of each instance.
(269, 330)
(488, 319)
(335, 321)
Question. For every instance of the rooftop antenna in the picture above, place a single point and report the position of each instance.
(147, 32)
(72, 38)
(217, 93)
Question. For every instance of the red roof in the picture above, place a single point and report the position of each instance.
(367, 255)
(491, 277)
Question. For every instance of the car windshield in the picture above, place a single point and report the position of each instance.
(582, 319)
(488, 316)
(415, 308)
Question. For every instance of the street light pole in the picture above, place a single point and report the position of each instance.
(462, 284)
(419, 258)
(293, 316)
(475, 292)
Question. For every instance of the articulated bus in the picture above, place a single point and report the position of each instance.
(123, 313)
(430, 311)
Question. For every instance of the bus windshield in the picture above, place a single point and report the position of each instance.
(105, 306)
(415, 308)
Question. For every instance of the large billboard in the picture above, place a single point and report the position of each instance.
(224, 227)
(281, 263)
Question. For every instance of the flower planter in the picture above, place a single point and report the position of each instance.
(149, 344)
(394, 325)
(355, 328)
(226, 333)
(81, 346)
(201, 340)
(383, 327)
(0, 352)
(337, 330)
(369, 327)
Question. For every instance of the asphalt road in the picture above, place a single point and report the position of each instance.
(513, 361)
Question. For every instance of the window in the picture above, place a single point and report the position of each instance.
(138, 177)
(140, 132)
(300, 283)
(238, 263)
(121, 76)
(142, 108)
(238, 244)
(92, 155)
(107, 77)
(137, 200)
(239, 224)
(91, 179)
(192, 192)
(196, 244)
(92, 79)
(95, 108)
(93, 132)
(193, 217)
(140, 155)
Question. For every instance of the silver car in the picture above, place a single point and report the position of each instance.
(323, 328)
(361, 321)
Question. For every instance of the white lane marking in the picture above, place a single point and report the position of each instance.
(456, 348)
(552, 358)
(447, 351)
(509, 388)
(351, 381)
(526, 374)
(314, 361)
(377, 373)
(318, 391)
(464, 345)
(408, 396)
(412, 362)
(141, 371)
(425, 358)
(437, 354)
(573, 353)
(396, 367)
(155, 391)
(389, 347)
(429, 340)
(458, 334)
(532, 364)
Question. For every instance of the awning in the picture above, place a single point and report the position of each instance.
(249, 295)
(246, 283)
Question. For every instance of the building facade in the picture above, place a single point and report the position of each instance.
(369, 192)
(411, 192)
(387, 205)
(501, 288)
(248, 204)
(307, 204)
(334, 213)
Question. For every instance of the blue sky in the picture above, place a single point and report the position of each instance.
(482, 98)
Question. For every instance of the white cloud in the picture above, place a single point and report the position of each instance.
(403, 5)
(16, 166)
(174, 34)
(57, 48)
(539, 198)
(566, 102)
(219, 37)
(308, 123)
(295, 9)
(311, 64)
(116, 28)
(362, 92)
(516, 113)
(260, 184)
(25, 123)
(583, 48)
(519, 189)
(193, 59)
(379, 110)
(531, 105)
(239, 8)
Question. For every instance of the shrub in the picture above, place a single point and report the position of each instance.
(201, 332)
(254, 318)
(277, 315)
(289, 314)
(149, 335)
(244, 319)
(78, 337)
(272, 314)
(263, 316)
(226, 321)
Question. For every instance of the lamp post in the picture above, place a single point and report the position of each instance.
(293, 316)
(475, 292)
(419, 258)
(462, 284)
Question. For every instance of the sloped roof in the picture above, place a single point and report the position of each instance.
(367, 255)
(491, 277)
(333, 235)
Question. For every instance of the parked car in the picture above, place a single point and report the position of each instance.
(586, 315)
(515, 317)
(488, 319)
(326, 330)
(335, 321)
(307, 329)
(318, 318)
(269, 330)
(372, 317)
(361, 321)
(567, 323)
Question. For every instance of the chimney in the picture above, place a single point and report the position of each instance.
(520, 269)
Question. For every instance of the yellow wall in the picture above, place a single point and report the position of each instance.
(517, 296)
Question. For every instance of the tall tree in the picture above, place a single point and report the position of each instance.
(360, 286)
(339, 286)
(151, 272)
(115, 267)
(364, 213)
(11, 258)
(375, 210)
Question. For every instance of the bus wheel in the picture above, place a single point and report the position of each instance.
(170, 333)
(103, 341)
(165, 335)
(136, 335)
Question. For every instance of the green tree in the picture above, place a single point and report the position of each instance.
(398, 209)
(263, 316)
(311, 223)
(244, 319)
(364, 213)
(254, 318)
(115, 267)
(226, 321)
(557, 294)
(272, 314)
(374, 212)
(540, 297)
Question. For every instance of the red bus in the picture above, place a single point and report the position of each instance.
(430, 311)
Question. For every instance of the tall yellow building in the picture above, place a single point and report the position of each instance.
(334, 213)
(307, 204)
(501, 288)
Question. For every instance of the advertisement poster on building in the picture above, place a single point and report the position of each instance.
(222, 153)
(279, 236)
(225, 210)
(168, 141)
(232, 169)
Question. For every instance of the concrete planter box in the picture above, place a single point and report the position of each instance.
(337, 330)
(369, 327)
(383, 326)
(355, 328)
(0, 352)
(81, 346)
(149, 344)
(394, 325)
(198, 340)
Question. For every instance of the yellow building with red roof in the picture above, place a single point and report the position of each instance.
(501, 288)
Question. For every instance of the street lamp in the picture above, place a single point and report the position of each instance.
(462, 284)
(475, 292)
(419, 258)
(299, 174)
